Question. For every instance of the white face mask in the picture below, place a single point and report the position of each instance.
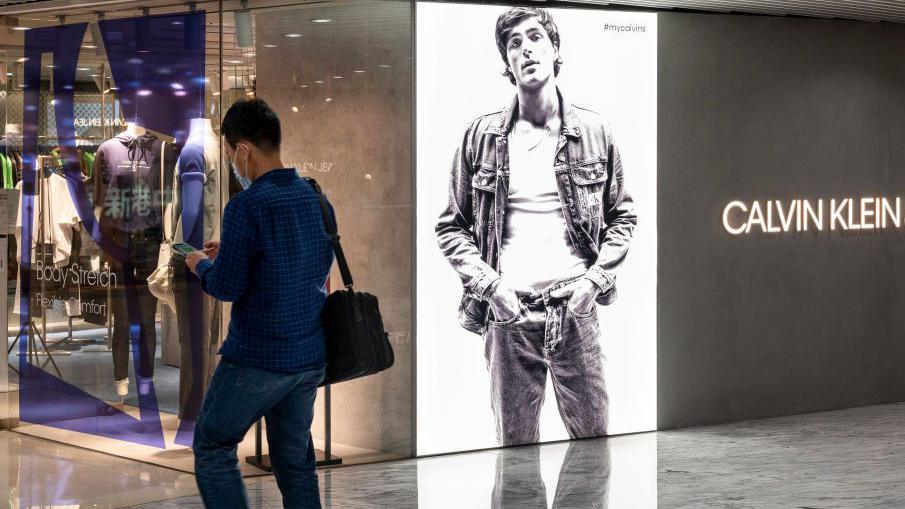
(244, 181)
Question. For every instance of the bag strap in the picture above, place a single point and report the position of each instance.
(330, 227)
(163, 206)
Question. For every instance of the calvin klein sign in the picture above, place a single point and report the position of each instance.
(776, 216)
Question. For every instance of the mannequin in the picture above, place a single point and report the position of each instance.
(134, 130)
(127, 177)
(199, 206)
(200, 125)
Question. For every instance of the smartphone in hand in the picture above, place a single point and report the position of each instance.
(183, 248)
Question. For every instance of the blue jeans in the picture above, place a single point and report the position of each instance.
(237, 398)
(546, 335)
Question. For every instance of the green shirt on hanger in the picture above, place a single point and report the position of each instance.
(7, 172)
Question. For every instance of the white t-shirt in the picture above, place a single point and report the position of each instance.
(536, 249)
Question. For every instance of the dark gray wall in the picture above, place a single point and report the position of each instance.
(775, 108)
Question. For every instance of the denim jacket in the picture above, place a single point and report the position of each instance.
(599, 212)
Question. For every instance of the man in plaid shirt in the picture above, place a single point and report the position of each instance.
(272, 263)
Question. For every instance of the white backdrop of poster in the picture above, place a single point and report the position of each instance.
(610, 66)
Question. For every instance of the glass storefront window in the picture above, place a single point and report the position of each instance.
(99, 112)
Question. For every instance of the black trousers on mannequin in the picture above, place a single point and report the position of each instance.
(143, 248)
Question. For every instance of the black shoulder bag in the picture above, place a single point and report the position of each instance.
(357, 344)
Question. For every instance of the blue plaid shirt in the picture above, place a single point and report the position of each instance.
(273, 263)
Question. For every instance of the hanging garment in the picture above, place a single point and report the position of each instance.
(7, 171)
(61, 219)
(55, 225)
(21, 166)
(89, 162)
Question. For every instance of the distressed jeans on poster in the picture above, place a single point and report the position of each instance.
(546, 335)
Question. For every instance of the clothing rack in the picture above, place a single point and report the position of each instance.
(33, 332)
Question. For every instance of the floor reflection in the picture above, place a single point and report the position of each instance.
(584, 478)
(594, 474)
(589, 474)
(784, 462)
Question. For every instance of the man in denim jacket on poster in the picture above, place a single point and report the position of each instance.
(538, 220)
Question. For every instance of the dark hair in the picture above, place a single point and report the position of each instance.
(252, 120)
(509, 19)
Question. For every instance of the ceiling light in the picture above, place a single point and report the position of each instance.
(20, 60)
(180, 93)
(215, 94)
(83, 69)
(176, 86)
(49, 66)
(293, 36)
(359, 71)
(304, 86)
(319, 82)
(270, 45)
(144, 92)
(321, 20)
(21, 29)
(95, 75)
(339, 77)
(9, 74)
(329, 99)
(385, 66)
(234, 61)
(295, 109)
(89, 46)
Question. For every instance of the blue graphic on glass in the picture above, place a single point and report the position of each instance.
(157, 63)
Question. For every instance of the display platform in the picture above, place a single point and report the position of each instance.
(175, 456)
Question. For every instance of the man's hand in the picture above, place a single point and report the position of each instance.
(211, 248)
(580, 295)
(504, 302)
(192, 259)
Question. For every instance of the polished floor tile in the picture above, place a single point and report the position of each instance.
(38, 473)
(842, 459)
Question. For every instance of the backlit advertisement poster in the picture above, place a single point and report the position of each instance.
(536, 224)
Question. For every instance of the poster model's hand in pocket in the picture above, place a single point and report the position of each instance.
(580, 296)
(504, 302)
